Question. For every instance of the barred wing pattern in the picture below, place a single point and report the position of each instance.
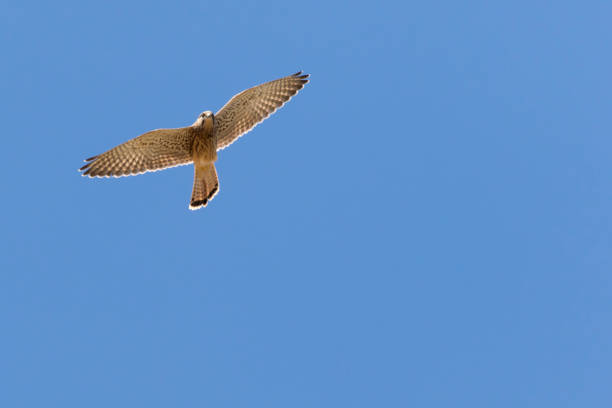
(154, 150)
(248, 108)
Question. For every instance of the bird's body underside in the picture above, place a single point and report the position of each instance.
(198, 144)
(204, 152)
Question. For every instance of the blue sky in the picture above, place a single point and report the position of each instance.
(426, 224)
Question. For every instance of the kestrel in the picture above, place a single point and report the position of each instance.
(198, 144)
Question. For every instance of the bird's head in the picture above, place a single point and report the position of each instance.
(204, 117)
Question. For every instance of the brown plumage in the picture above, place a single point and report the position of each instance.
(163, 148)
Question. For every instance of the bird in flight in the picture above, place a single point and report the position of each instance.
(198, 144)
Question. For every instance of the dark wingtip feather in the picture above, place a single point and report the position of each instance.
(299, 75)
(89, 163)
(303, 78)
(85, 166)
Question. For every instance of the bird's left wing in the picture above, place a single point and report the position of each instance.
(154, 150)
(252, 106)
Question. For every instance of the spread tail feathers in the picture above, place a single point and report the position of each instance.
(205, 186)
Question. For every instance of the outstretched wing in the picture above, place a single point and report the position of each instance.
(252, 106)
(154, 150)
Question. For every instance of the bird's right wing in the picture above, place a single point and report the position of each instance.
(245, 110)
(154, 150)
